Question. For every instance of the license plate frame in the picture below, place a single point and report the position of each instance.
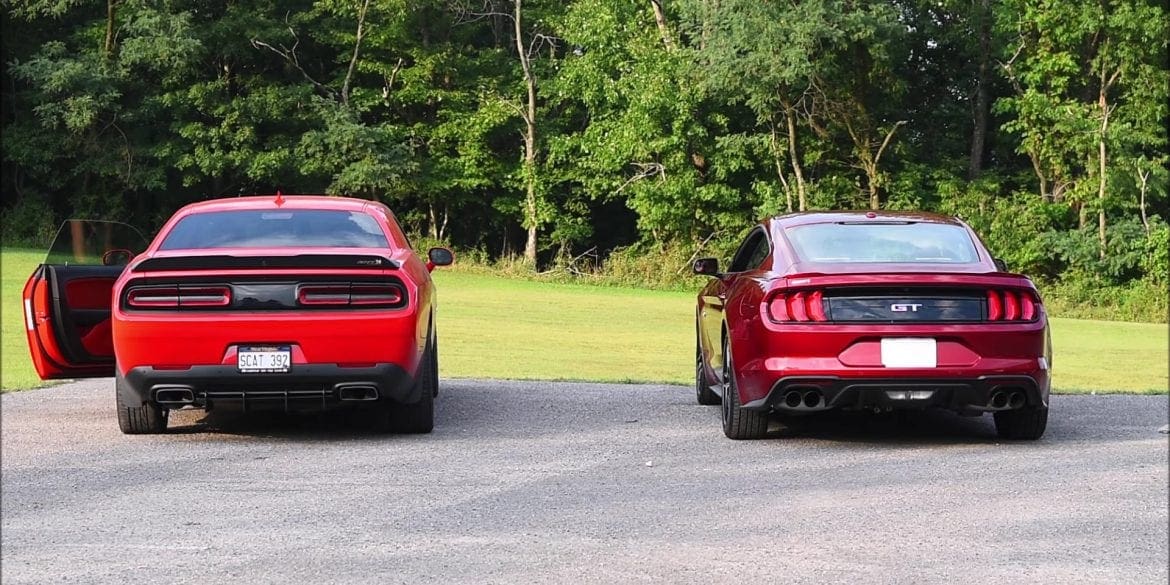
(909, 352)
(264, 359)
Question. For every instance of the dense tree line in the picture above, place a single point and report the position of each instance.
(541, 128)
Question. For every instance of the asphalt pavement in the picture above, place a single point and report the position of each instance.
(541, 482)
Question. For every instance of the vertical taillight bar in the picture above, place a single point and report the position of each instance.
(1010, 305)
(803, 306)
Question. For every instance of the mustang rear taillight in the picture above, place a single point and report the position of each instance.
(1010, 305)
(800, 306)
(366, 295)
(174, 296)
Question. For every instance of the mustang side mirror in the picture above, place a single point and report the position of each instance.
(1000, 264)
(439, 257)
(706, 267)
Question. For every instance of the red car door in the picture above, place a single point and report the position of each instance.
(67, 299)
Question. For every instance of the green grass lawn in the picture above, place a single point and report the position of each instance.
(16, 370)
(496, 327)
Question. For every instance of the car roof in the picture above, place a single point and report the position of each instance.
(285, 202)
(813, 217)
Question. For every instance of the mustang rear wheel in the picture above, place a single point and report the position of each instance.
(418, 418)
(147, 419)
(703, 393)
(739, 422)
(1026, 423)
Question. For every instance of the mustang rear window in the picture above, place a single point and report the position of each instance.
(276, 229)
(887, 242)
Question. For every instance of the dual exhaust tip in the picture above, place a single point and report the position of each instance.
(1007, 400)
(185, 395)
(796, 399)
(356, 392)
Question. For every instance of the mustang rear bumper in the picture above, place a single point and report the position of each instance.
(305, 387)
(796, 394)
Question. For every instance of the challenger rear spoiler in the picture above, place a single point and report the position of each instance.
(235, 262)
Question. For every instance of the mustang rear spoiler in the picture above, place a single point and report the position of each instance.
(300, 261)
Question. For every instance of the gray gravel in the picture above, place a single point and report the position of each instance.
(538, 482)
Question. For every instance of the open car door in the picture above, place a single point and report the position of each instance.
(67, 300)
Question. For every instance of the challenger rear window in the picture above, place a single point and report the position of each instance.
(296, 228)
(903, 242)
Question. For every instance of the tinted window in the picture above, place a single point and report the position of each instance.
(285, 228)
(751, 253)
(86, 242)
(887, 242)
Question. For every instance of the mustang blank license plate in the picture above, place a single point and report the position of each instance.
(264, 359)
(909, 352)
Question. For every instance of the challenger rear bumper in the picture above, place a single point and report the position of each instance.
(305, 387)
(972, 395)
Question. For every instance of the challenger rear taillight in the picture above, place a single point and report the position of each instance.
(174, 296)
(153, 297)
(802, 306)
(1011, 305)
(374, 294)
(323, 294)
(360, 294)
(205, 296)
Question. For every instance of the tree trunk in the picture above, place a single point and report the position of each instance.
(357, 45)
(982, 92)
(663, 29)
(529, 136)
(1143, 184)
(779, 161)
(1102, 179)
(111, 14)
(797, 169)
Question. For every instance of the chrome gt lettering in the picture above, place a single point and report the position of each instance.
(904, 307)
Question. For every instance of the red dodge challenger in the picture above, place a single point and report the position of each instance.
(293, 303)
(870, 311)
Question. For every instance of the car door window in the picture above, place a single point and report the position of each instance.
(751, 253)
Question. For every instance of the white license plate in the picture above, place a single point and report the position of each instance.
(909, 352)
(264, 359)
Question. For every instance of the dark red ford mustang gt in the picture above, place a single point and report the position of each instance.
(294, 303)
(870, 311)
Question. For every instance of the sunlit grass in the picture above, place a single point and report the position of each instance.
(16, 369)
(496, 327)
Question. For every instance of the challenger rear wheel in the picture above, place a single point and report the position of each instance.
(739, 422)
(1025, 423)
(147, 419)
(418, 418)
(703, 393)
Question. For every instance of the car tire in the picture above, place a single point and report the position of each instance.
(435, 362)
(738, 422)
(1024, 424)
(419, 417)
(703, 393)
(147, 419)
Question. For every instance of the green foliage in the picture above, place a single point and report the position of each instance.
(656, 133)
(27, 224)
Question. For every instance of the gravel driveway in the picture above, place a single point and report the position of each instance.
(539, 482)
